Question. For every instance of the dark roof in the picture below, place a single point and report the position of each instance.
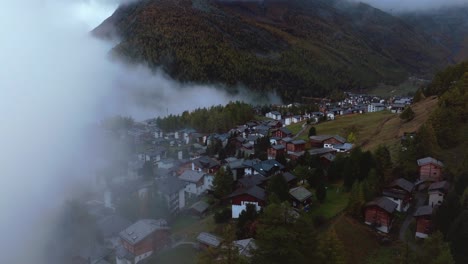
(191, 176)
(253, 191)
(403, 184)
(251, 180)
(141, 229)
(384, 203)
(285, 130)
(325, 137)
(205, 162)
(424, 210)
(399, 194)
(277, 147)
(267, 166)
(297, 142)
(428, 160)
(170, 185)
(289, 176)
(319, 151)
(439, 186)
(300, 193)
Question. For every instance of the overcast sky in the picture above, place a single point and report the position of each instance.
(412, 5)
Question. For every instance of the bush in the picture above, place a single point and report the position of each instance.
(407, 115)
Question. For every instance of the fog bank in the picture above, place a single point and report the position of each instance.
(412, 5)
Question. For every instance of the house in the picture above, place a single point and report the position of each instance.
(296, 146)
(400, 191)
(250, 180)
(208, 240)
(301, 197)
(275, 150)
(206, 164)
(379, 214)
(243, 196)
(196, 182)
(141, 240)
(274, 115)
(397, 108)
(375, 107)
(282, 132)
(326, 141)
(245, 246)
(430, 169)
(346, 147)
(285, 141)
(437, 192)
(423, 217)
(267, 167)
(173, 191)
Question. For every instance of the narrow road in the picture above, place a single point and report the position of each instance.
(419, 199)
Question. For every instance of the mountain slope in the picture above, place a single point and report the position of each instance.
(297, 48)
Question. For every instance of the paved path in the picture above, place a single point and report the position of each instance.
(419, 199)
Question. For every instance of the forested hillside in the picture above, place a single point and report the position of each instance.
(298, 48)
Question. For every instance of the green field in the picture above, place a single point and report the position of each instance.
(185, 254)
(295, 128)
(191, 226)
(335, 202)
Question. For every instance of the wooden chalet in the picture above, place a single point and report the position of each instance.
(296, 146)
(275, 150)
(300, 197)
(379, 214)
(400, 191)
(282, 132)
(322, 140)
(243, 196)
(437, 192)
(430, 169)
(423, 217)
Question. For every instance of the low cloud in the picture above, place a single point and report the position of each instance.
(412, 5)
(56, 80)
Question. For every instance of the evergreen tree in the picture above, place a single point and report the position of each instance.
(435, 251)
(383, 164)
(223, 183)
(418, 96)
(278, 186)
(458, 237)
(356, 200)
(407, 115)
(312, 131)
(246, 221)
(321, 192)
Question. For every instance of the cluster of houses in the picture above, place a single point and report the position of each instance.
(397, 197)
(182, 174)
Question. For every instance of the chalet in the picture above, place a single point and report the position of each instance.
(275, 150)
(423, 217)
(321, 151)
(288, 177)
(196, 182)
(141, 240)
(379, 214)
(346, 147)
(282, 132)
(268, 167)
(250, 180)
(238, 141)
(296, 146)
(274, 124)
(437, 192)
(375, 107)
(208, 240)
(172, 189)
(274, 115)
(397, 108)
(243, 196)
(285, 141)
(252, 139)
(400, 191)
(206, 164)
(301, 197)
(327, 158)
(326, 141)
(237, 167)
(430, 169)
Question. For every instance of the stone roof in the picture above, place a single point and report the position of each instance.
(424, 210)
(300, 193)
(142, 229)
(170, 185)
(439, 186)
(191, 176)
(246, 246)
(403, 184)
(209, 239)
(428, 160)
(253, 191)
(200, 206)
(384, 203)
